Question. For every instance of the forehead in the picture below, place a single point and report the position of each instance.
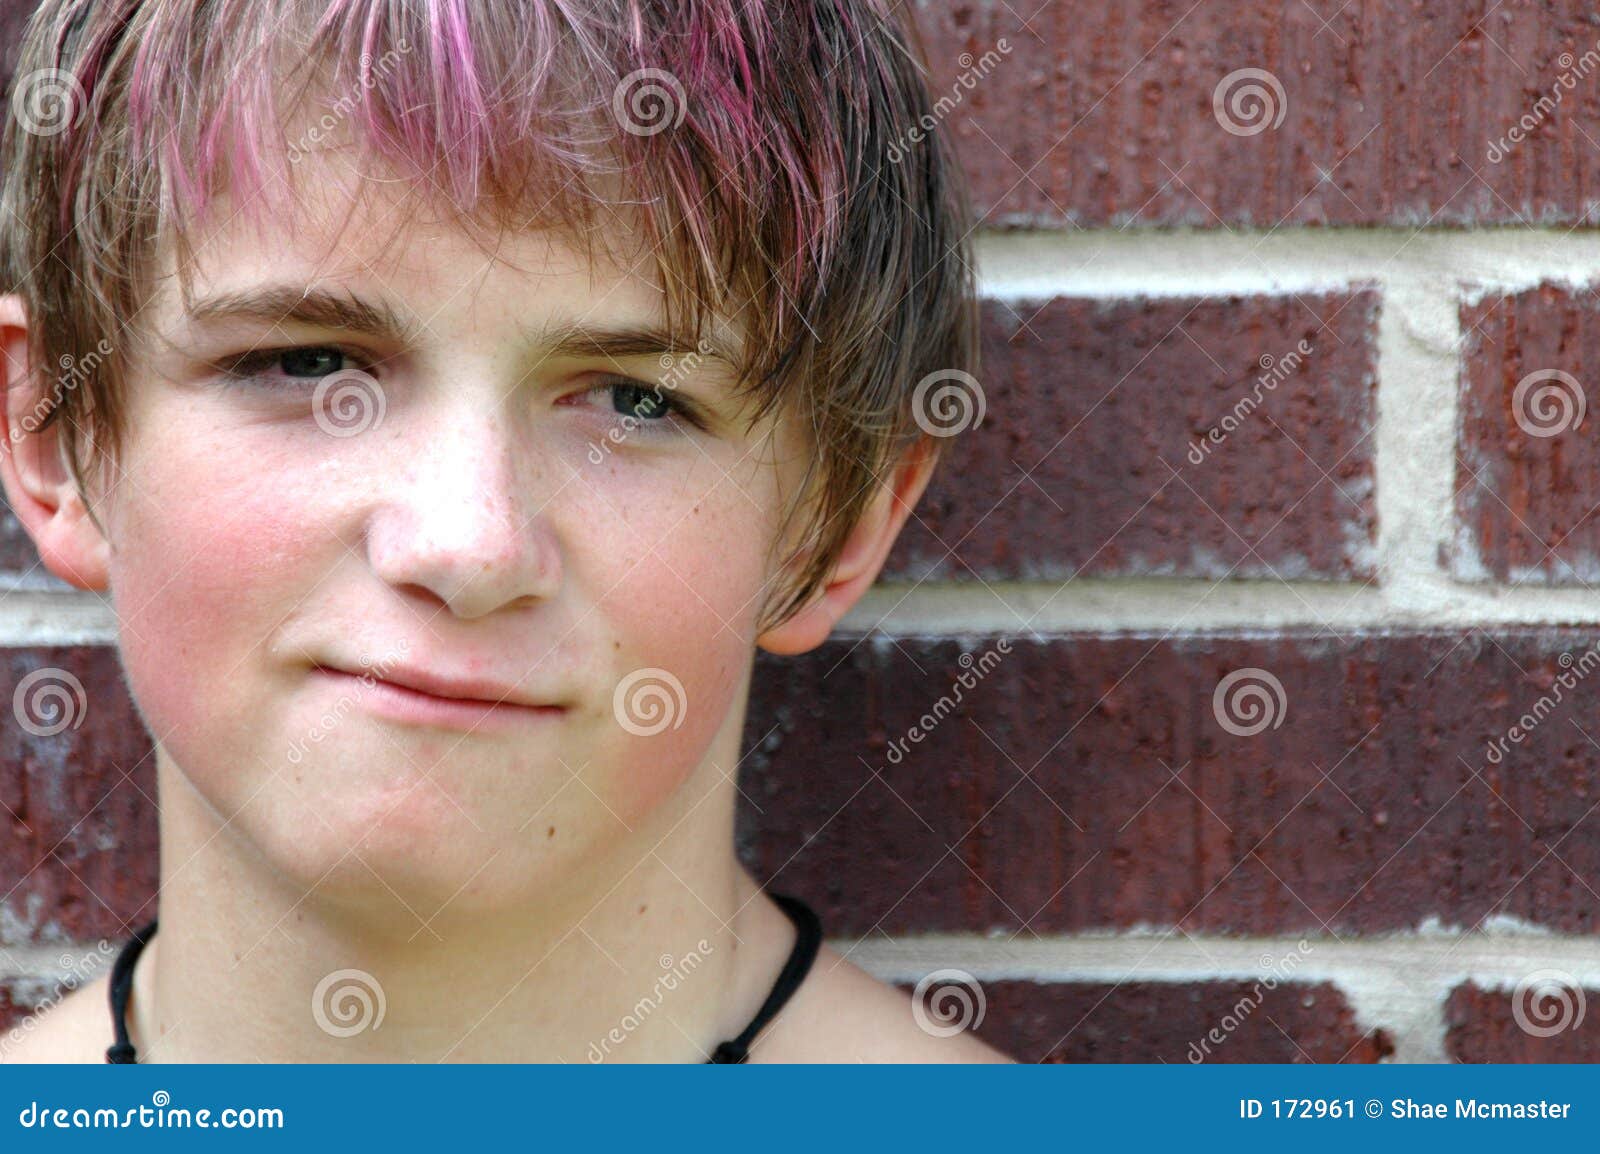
(393, 239)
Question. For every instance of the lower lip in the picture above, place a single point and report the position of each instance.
(413, 707)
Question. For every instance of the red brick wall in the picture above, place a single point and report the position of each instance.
(1266, 545)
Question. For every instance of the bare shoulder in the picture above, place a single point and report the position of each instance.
(841, 1013)
(75, 1029)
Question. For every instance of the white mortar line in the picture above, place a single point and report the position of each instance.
(1156, 605)
(1396, 982)
(1187, 262)
(1086, 605)
(1423, 279)
(49, 618)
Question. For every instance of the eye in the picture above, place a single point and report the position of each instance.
(300, 363)
(646, 405)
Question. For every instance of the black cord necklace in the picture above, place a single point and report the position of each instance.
(808, 936)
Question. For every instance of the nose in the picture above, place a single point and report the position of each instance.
(466, 522)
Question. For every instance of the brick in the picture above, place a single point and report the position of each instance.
(78, 841)
(19, 997)
(1558, 1023)
(1528, 464)
(1137, 437)
(1086, 783)
(1163, 1021)
(1394, 112)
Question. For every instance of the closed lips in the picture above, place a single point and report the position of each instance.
(473, 690)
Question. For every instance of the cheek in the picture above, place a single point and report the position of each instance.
(195, 568)
(682, 627)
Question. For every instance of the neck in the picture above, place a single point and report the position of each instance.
(654, 949)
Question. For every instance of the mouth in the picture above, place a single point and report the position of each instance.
(409, 704)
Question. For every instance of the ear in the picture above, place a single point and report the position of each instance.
(38, 484)
(862, 556)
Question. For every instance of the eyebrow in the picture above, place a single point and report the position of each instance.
(328, 309)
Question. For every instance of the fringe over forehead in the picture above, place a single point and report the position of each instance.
(764, 148)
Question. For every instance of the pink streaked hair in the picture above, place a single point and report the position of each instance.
(763, 150)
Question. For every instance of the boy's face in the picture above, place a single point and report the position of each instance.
(473, 514)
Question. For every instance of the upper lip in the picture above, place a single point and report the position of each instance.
(448, 685)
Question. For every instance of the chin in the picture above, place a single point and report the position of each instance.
(398, 856)
(396, 875)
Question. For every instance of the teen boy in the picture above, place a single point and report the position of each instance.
(486, 382)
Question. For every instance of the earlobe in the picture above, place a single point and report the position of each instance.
(806, 629)
(861, 558)
(39, 486)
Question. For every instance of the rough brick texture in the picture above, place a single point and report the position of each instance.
(1087, 784)
(1164, 1022)
(1150, 392)
(77, 807)
(1092, 783)
(20, 997)
(1528, 466)
(1561, 1024)
(1384, 113)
